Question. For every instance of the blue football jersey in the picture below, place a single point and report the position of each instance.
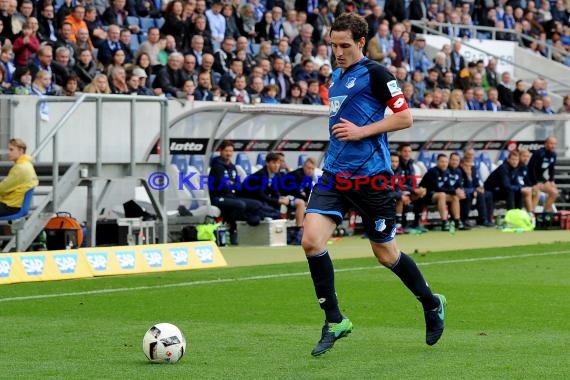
(360, 95)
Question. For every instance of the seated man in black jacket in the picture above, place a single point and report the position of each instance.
(223, 192)
(503, 182)
(417, 193)
(440, 191)
(170, 78)
(401, 196)
(299, 182)
(266, 185)
(541, 172)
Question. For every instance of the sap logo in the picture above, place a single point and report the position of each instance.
(5, 266)
(33, 265)
(98, 261)
(205, 254)
(66, 263)
(179, 255)
(153, 257)
(126, 259)
(335, 103)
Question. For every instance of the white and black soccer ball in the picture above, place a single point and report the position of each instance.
(164, 343)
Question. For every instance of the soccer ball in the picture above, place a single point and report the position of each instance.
(164, 343)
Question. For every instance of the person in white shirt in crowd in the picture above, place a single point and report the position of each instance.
(216, 21)
(323, 56)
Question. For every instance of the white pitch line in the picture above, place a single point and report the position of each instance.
(265, 277)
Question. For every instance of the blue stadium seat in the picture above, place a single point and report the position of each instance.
(261, 159)
(159, 22)
(485, 159)
(26, 204)
(135, 44)
(57, 5)
(424, 158)
(502, 156)
(18, 219)
(301, 160)
(433, 160)
(254, 49)
(242, 160)
(133, 20)
(146, 23)
(142, 37)
(476, 163)
(198, 162)
(180, 161)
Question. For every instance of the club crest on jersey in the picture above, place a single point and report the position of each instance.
(350, 82)
(380, 225)
(335, 103)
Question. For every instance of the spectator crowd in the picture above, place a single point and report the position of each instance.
(267, 51)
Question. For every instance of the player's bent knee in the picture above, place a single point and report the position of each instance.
(386, 253)
(311, 244)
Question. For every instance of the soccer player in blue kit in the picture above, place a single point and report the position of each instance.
(360, 91)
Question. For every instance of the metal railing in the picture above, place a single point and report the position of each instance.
(51, 139)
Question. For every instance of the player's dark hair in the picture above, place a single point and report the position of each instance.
(225, 144)
(272, 157)
(353, 22)
(454, 154)
(441, 155)
(404, 145)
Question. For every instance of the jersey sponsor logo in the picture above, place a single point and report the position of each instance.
(350, 82)
(394, 88)
(335, 103)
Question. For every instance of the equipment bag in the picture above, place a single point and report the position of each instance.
(63, 232)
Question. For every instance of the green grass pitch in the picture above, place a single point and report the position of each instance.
(508, 317)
